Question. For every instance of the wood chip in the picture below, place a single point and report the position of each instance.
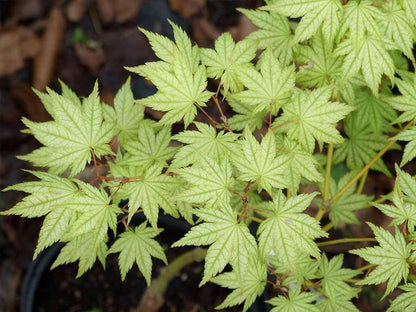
(45, 60)
(15, 46)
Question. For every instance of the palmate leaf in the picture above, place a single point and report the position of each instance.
(406, 301)
(343, 209)
(258, 162)
(269, 89)
(360, 146)
(179, 78)
(48, 197)
(299, 163)
(274, 33)
(228, 59)
(96, 214)
(81, 248)
(126, 115)
(138, 245)
(231, 242)
(404, 200)
(398, 28)
(407, 101)
(209, 182)
(408, 135)
(312, 117)
(390, 257)
(78, 130)
(341, 305)
(244, 116)
(359, 18)
(334, 279)
(205, 143)
(314, 13)
(148, 189)
(247, 285)
(296, 301)
(288, 229)
(149, 146)
(370, 55)
(375, 111)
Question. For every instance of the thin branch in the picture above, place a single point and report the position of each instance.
(368, 166)
(346, 240)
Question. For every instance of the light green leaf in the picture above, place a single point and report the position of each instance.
(312, 117)
(126, 115)
(138, 245)
(406, 301)
(314, 13)
(268, 90)
(274, 32)
(247, 285)
(205, 143)
(296, 301)
(228, 59)
(390, 258)
(258, 162)
(76, 132)
(360, 146)
(334, 279)
(404, 200)
(209, 182)
(149, 147)
(231, 242)
(289, 230)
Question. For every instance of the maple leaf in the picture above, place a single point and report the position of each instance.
(334, 278)
(288, 229)
(179, 78)
(296, 301)
(247, 285)
(299, 163)
(126, 114)
(406, 301)
(312, 117)
(78, 130)
(148, 189)
(314, 13)
(371, 56)
(231, 242)
(138, 245)
(342, 210)
(209, 182)
(244, 116)
(404, 200)
(149, 147)
(361, 146)
(274, 32)
(205, 143)
(390, 257)
(81, 248)
(258, 162)
(269, 89)
(228, 59)
(398, 28)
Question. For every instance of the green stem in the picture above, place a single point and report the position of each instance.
(362, 182)
(366, 267)
(327, 227)
(368, 166)
(153, 299)
(325, 206)
(346, 240)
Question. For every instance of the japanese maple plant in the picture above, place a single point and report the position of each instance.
(321, 83)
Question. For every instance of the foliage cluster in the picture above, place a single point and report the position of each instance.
(321, 83)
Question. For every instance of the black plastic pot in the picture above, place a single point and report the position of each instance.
(40, 266)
